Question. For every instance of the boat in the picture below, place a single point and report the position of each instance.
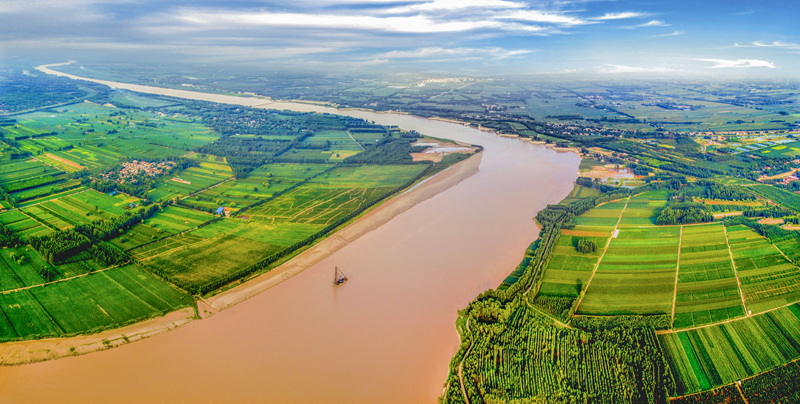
(339, 277)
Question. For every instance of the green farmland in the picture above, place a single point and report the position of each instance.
(721, 354)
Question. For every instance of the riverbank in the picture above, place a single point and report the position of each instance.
(30, 351)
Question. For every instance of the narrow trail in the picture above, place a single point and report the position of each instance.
(354, 139)
(735, 272)
(5, 292)
(461, 367)
(677, 270)
(730, 320)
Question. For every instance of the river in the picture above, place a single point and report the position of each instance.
(386, 336)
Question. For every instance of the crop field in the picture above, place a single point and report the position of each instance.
(193, 179)
(96, 136)
(104, 299)
(568, 269)
(642, 209)
(15, 274)
(768, 279)
(22, 224)
(259, 184)
(784, 150)
(636, 274)
(66, 211)
(707, 290)
(175, 219)
(605, 215)
(205, 255)
(578, 192)
(720, 354)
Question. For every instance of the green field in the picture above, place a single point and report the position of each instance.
(643, 209)
(723, 353)
(101, 300)
(260, 184)
(636, 275)
(768, 279)
(707, 290)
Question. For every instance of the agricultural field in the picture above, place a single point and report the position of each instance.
(568, 270)
(23, 225)
(205, 256)
(605, 215)
(643, 208)
(579, 192)
(636, 275)
(720, 354)
(211, 170)
(260, 184)
(768, 279)
(706, 290)
(96, 136)
(91, 303)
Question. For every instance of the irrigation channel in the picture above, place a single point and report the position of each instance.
(387, 336)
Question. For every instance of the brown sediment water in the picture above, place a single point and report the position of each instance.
(386, 336)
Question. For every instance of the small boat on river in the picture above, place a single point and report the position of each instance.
(339, 277)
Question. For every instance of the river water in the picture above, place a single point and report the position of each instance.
(386, 336)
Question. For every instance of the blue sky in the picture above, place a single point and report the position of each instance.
(592, 37)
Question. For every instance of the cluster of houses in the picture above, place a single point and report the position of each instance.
(130, 169)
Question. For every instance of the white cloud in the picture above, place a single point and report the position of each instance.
(444, 5)
(410, 24)
(619, 16)
(635, 69)
(776, 44)
(438, 52)
(654, 23)
(542, 17)
(676, 33)
(739, 63)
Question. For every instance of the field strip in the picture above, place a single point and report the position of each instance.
(600, 260)
(40, 221)
(210, 186)
(58, 197)
(735, 273)
(5, 292)
(354, 139)
(114, 281)
(293, 219)
(730, 320)
(677, 268)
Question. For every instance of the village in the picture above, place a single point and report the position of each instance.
(131, 169)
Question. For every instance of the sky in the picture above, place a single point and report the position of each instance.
(478, 37)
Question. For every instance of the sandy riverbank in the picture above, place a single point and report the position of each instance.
(23, 352)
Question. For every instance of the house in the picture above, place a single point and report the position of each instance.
(220, 210)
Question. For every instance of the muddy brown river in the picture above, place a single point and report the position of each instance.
(386, 336)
